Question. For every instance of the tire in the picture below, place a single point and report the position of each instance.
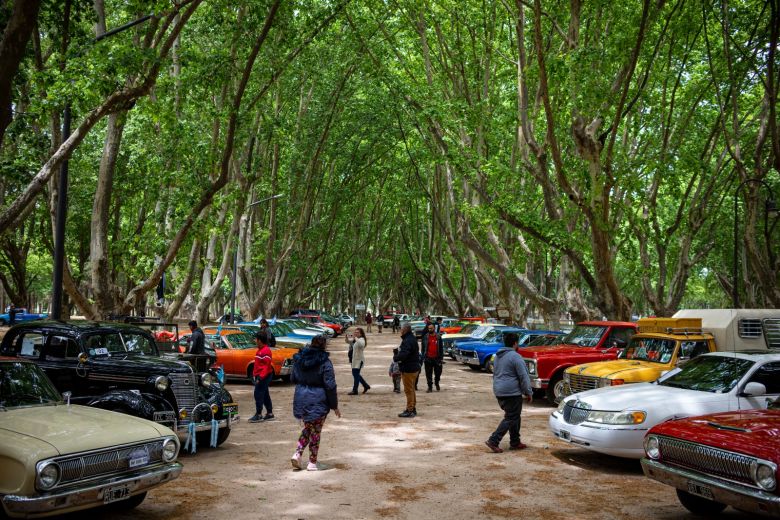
(223, 434)
(130, 503)
(285, 379)
(555, 389)
(699, 506)
(2, 323)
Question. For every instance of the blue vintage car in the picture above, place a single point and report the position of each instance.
(21, 315)
(479, 354)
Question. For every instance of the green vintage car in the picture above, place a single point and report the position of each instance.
(57, 457)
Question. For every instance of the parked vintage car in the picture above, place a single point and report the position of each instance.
(117, 367)
(236, 353)
(346, 320)
(448, 340)
(452, 342)
(530, 338)
(20, 315)
(477, 354)
(589, 341)
(717, 460)
(614, 420)
(58, 458)
(304, 327)
(317, 320)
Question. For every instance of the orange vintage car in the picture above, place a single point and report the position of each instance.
(236, 353)
(455, 326)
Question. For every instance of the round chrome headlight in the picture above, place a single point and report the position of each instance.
(169, 450)
(652, 447)
(764, 474)
(161, 383)
(48, 475)
(206, 379)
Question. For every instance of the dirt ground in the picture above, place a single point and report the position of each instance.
(378, 465)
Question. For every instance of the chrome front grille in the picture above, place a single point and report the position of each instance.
(712, 461)
(105, 462)
(579, 383)
(184, 387)
(575, 412)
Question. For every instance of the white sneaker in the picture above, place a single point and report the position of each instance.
(312, 467)
(296, 460)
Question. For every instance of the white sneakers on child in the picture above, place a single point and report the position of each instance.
(312, 467)
(296, 460)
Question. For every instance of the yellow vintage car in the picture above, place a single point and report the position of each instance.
(660, 345)
(56, 457)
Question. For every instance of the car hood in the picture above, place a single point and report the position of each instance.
(455, 336)
(753, 432)
(556, 350)
(74, 428)
(645, 396)
(479, 346)
(628, 369)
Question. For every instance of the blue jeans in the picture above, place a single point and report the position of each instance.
(358, 379)
(262, 395)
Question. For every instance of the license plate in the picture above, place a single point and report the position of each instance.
(230, 408)
(699, 490)
(138, 458)
(114, 493)
(566, 436)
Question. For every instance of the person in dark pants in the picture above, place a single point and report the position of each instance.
(262, 374)
(433, 356)
(510, 384)
(396, 323)
(271, 338)
(12, 314)
(197, 339)
(408, 358)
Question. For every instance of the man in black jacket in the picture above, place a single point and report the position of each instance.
(433, 356)
(197, 339)
(408, 358)
(271, 338)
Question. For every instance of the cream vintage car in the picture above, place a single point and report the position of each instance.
(56, 457)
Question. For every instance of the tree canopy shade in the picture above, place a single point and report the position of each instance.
(548, 157)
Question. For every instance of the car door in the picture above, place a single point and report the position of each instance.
(225, 355)
(769, 376)
(60, 360)
(618, 338)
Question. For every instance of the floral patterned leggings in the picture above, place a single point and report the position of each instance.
(311, 435)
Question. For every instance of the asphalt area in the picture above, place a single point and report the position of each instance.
(377, 465)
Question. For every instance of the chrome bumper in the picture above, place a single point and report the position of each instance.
(736, 495)
(539, 383)
(91, 495)
(285, 371)
(182, 432)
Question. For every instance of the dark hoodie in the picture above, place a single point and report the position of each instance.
(315, 384)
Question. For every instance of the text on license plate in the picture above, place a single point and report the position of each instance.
(114, 493)
(565, 435)
(138, 458)
(699, 490)
(230, 408)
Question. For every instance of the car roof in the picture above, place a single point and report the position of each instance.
(79, 326)
(753, 355)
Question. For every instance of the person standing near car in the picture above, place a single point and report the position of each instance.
(408, 358)
(380, 322)
(433, 356)
(197, 339)
(315, 396)
(357, 342)
(262, 373)
(271, 338)
(12, 314)
(396, 323)
(368, 322)
(510, 385)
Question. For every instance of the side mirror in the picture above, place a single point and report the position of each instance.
(753, 389)
(83, 358)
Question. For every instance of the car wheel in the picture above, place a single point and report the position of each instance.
(699, 506)
(130, 503)
(2, 323)
(555, 389)
(286, 378)
(490, 363)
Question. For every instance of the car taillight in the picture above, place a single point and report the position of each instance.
(616, 382)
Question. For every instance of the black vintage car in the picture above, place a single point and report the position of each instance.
(118, 367)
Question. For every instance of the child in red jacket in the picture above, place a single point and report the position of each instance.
(262, 374)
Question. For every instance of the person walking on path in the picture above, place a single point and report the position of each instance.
(369, 319)
(433, 356)
(197, 339)
(358, 345)
(380, 322)
(315, 396)
(408, 358)
(510, 384)
(396, 323)
(262, 373)
(271, 338)
(12, 314)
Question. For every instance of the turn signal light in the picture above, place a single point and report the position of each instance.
(616, 382)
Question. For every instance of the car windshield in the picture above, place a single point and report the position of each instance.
(24, 384)
(481, 332)
(585, 335)
(114, 343)
(241, 341)
(717, 374)
(468, 329)
(283, 328)
(655, 350)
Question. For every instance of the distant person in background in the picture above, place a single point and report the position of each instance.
(262, 373)
(396, 323)
(315, 396)
(357, 343)
(11, 314)
(438, 325)
(380, 322)
(408, 358)
(271, 338)
(510, 385)
(369, 319)
(433, 356)
(395, 373)
(197, 339)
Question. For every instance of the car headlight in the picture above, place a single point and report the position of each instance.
(652, 447)
(530, 364)
(169, 450)
(764, 474)
(206, 379)
(617, 418)
(561, 406)
(161, 383)
(48, 475)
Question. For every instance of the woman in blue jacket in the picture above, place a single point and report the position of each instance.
(315, 396)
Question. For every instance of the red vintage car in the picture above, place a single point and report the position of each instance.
(719, 460)
(317, 320)
(589, 341)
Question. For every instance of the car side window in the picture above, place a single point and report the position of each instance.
(62, 347)
(620, 337)
(30, 344)
(769, 376)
